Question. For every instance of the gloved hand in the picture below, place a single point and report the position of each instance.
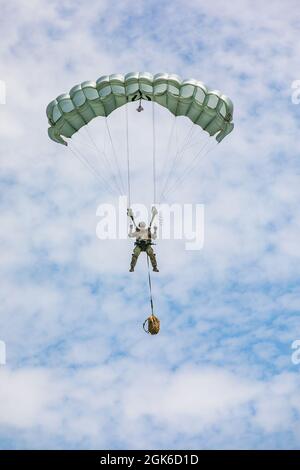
(129, 212)
(154, 211)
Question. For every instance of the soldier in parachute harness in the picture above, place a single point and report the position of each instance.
(144, 237)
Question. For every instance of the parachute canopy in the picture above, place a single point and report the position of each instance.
(209, 109)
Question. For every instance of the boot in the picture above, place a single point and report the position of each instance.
(153, 262)
(133, 263)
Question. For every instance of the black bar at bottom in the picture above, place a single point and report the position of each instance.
(132, 459)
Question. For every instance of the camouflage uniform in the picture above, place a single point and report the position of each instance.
(143, 243)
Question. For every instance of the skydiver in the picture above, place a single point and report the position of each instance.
(144, 237)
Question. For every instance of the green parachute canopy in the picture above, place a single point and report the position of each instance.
(209, 109)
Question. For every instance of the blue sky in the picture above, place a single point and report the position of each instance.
(80, 372)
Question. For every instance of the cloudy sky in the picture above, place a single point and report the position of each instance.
(80, 372)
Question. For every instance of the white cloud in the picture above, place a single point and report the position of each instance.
(67, 300)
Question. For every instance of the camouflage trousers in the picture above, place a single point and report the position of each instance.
(137, 251)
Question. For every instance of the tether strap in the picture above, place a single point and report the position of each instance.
(150, 287)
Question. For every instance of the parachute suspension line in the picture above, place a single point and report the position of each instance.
(154, 153)
(180, 178)
(150, 285)
(168, 148)
(191, 167)
(202, 143)
(90, 167)
(100, 152)
(128, 157)
(105, 159)
(153, 321)
(104, 184)
(177, 155)
(115, 156)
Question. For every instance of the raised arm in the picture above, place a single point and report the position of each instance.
(154, 234)
(131, 215)
(154, 213)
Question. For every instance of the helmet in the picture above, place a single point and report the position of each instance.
(142, 225)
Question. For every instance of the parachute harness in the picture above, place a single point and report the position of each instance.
(153, 322)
